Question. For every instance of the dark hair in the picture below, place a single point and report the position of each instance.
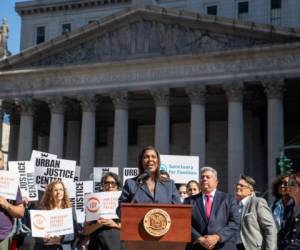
(249, 180)
(193, 181)
(164, 172)
(140, 161)
(276, 184)
(113, 175)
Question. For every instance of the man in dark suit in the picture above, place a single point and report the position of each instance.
(215, 215)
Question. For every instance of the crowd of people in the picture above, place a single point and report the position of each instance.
(219, 220)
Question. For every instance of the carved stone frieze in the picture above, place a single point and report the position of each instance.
(146, 38)
(88, 103)
(197, 94)
(234, 91)
(274, 88)
(120, 99)
(161, 96)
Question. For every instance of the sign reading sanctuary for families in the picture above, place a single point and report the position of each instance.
(101, 205)
(9, 184)
(48, 170)
(25, 169)
(47, 223)
(182, 168)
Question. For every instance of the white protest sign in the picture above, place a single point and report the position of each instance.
(40, 154)
(76, 191)
(46, 223)
(98, 172)
(129, 173)
(9, 182)
(103, 204)
(48, 170)
(180, 167)
(25, 169)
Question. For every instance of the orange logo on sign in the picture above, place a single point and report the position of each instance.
(39, 221)
(93, 204)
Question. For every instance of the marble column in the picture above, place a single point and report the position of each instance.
(26, 129)
(73, 140)
(14, 123)
(274, 91)
(162, 120)
(234, 93)
(197, 132)
(56, 140)
(120, 141)
(88, 133)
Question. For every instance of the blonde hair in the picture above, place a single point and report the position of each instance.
(48, 201)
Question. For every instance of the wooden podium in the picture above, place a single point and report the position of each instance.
(136, 237)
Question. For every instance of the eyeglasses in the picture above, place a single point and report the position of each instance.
(241, 185)
(110, 183)
(284, 184)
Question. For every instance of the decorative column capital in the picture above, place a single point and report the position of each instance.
(26, 105)
(161, 96)
(88, 103)
(274, 88)
(120, 99)
(234, 91)
(56, 104)
(197, 94)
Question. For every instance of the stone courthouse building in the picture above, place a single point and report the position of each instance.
(98, 80)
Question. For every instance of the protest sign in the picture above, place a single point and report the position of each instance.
(181, 168)
(48, 170)
(76, 191)
(8, 184)
(46, 223)
(129, 173)
(25, 169)
(98, 172)
(40, 154)
(102, 205)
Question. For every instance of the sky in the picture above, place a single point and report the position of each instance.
(7, 10)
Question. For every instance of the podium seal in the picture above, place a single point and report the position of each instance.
(157, 222)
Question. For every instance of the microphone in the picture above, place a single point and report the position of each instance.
(143, 176)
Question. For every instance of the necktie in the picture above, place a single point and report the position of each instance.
(208, 205)
(241, 208)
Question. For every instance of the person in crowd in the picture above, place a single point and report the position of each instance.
(215, 215)
(8, 211)
(182, 191)
(105, 233)
(290, 239)
(55, 197)
(193, 187)
(149, 186)
(282, 207)
(258, 228)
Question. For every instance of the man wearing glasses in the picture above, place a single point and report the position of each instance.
(258, 229)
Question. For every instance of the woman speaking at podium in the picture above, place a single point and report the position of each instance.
(149, 186)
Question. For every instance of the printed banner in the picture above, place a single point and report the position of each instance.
(129, 173)
(48, 170)
(98, 172)
(76, 191)
(9, 184)
(46, 223)
(103, 204)
(25, 169)
(181, 168)
(40, 154)
(77, 173)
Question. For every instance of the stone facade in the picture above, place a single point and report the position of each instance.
(112, 91)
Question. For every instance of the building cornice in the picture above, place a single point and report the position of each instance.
(34, 7)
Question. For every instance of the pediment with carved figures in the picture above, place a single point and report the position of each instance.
(147, 34)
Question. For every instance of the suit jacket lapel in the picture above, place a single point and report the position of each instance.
(144, 187)
(215, 206)
(200, 205)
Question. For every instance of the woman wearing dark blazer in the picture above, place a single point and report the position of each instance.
(149, 186)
